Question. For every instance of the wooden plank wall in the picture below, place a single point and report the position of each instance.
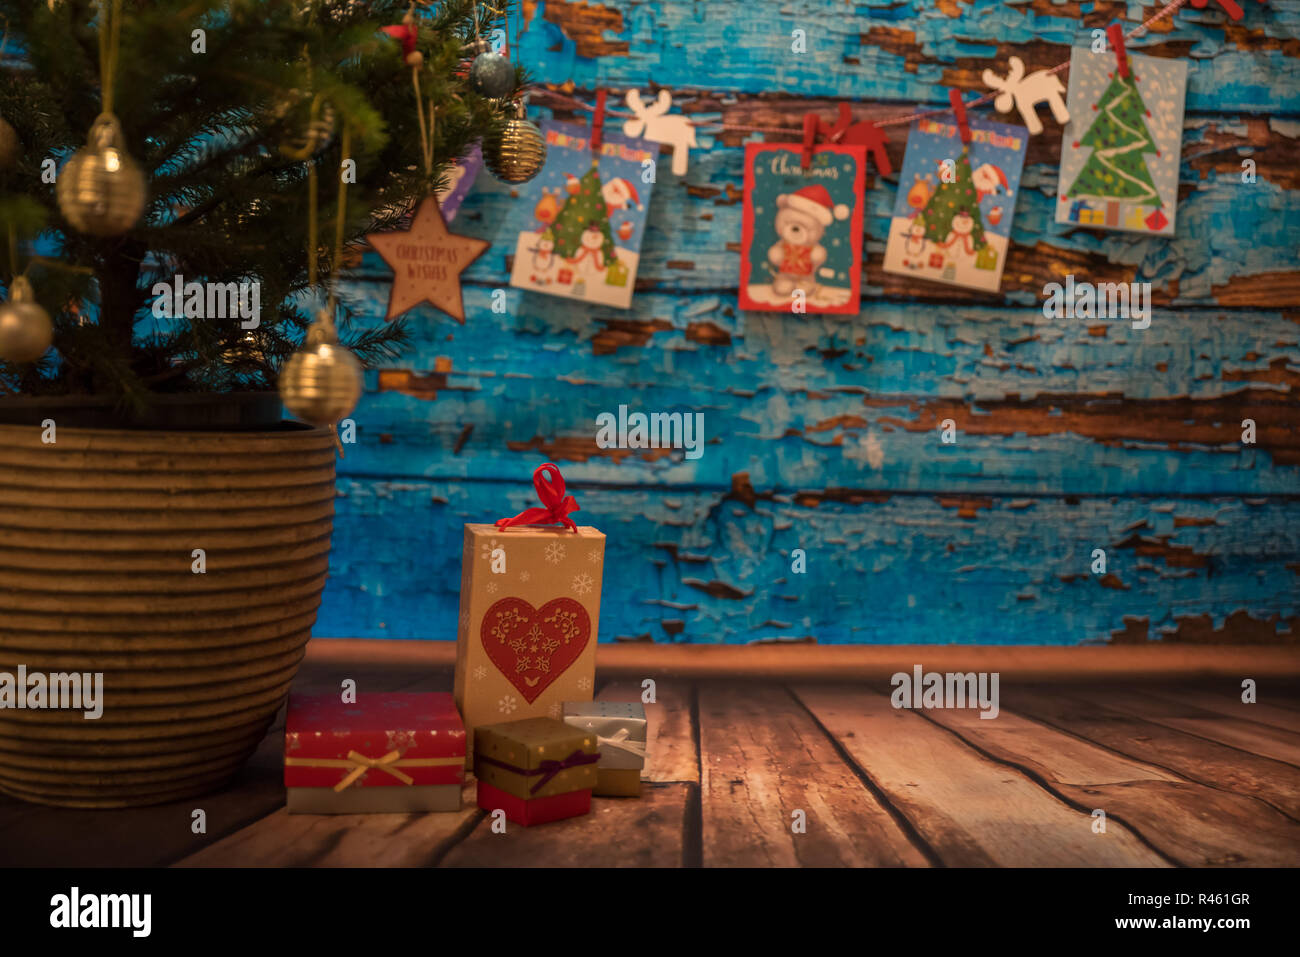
(822, 433)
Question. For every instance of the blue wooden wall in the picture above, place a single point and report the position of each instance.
(823, 433)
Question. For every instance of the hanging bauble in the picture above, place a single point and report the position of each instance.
(25, 328)
(310, 126)
(101, 190)
(322, 381)
(518, 154)
(9, 144)
(492, 76)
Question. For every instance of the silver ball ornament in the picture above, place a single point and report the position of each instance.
(25, 328)
(491, 75)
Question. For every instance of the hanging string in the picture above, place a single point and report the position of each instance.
(569, 102)
(311, 225)
(340, 220)
(419, 117)
(110, 32)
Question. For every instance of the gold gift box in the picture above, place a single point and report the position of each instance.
(519, 757)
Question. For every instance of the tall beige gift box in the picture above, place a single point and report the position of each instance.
(529, 613)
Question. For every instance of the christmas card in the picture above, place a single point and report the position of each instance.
(952, 218)
(588, 214)
(801, 244)
(1120, 150)
(459, 180)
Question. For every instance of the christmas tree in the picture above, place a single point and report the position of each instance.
(581, 210)
(950, 199)
(208, 92)
(1118, 137)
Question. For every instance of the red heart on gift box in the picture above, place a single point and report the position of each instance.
(534, 646)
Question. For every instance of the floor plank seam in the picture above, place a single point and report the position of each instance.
(1216, 715)
(1153, 764)
(1043, 783)
(458, 836)
(904, 824)
(693, 813)
(1151, 719)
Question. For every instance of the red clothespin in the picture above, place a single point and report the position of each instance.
(858, 134)
(959, 111)
(598, 122)
(810, 126)
(1233, 11)
(1115, 33)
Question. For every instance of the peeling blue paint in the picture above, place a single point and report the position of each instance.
(830, 418)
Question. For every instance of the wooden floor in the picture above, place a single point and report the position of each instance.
(1185, 773)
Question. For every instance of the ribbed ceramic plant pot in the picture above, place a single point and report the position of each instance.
(98, 532)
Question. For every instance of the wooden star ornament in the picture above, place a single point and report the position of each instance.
(427, 261)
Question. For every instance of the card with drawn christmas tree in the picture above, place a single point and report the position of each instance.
(587, 216)
(952, 218)
(801, 239)
(1121, 149)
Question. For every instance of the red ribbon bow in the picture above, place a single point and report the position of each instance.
(405, 32)
(556, 504)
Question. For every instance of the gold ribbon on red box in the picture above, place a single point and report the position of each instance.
(358, 764)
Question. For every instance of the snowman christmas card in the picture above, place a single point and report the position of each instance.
(801, 245)
(952, 218)
(588, 215)
(1120, 150)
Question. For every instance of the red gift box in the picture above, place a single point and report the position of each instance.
(536, 810)
(397, 752)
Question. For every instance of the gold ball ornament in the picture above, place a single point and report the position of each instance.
(101, 190)
(519, 154)
(322, 381)
(9, 144)
(25, 328)
(312, 126)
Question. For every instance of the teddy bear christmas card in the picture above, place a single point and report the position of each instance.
(588, 216)
(801, 246)
(952, 218)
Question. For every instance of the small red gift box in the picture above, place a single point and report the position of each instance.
(397, 753)
(537, 810)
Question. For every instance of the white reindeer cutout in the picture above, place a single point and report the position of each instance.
(653, 123)
(1027, 92)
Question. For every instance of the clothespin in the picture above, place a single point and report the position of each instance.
(1229, 7)
(858, 134)
(1115, 33)
(959, 111)
(598, 122)
(810, 125)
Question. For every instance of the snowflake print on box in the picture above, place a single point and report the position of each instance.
(588, 217)
(1121, 149)
(801, 240)
(952, 218)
